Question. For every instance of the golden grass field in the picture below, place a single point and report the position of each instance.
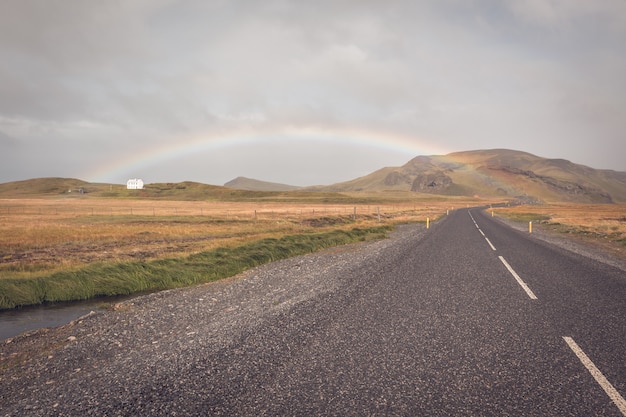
(600, 224)
(39, 236)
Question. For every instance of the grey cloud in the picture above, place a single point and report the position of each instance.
(529, 75)
(609, 13)
(7, 142)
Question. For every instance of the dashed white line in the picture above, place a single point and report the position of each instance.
(597, 375)
(604, 383)
(476, 224)
(481, 232)
(518, 279)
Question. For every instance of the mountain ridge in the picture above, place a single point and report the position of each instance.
(492, 173)
(502, 173)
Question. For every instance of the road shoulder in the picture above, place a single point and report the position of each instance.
(598, 251)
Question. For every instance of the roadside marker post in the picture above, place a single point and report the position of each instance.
(427, 222)
(530, 227)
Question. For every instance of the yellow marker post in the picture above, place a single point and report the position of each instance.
(428, 222)
(530, 227)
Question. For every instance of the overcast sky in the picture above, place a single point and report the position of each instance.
(303, 92)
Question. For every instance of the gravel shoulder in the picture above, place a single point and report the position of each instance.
(595, 250)
(107, 355)
(115, 356)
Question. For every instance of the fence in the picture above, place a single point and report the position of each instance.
(221, 210)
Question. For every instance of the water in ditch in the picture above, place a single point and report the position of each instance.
(16, 321)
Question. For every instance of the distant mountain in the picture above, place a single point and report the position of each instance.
(495, 173)
(243, 183)
(500, 173)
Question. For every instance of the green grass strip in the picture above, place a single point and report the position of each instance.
(98, 280)
(526, 217)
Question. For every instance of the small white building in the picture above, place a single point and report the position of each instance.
(134, 184)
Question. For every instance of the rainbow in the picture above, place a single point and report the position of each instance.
(182, 146)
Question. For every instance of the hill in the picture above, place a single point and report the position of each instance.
(74, 188)
(243, 183)
(495, 173)
(182, 191)
(47, 187)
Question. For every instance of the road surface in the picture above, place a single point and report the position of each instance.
(469, 317)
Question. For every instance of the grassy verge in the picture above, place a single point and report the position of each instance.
(527, 217)
(601, 224)
(107, 279)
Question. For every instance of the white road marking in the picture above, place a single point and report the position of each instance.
(518, 279)
(598, 376)
(481, 232)
(475, 224)
(604, 383)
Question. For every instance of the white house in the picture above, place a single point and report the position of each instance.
(134, 184)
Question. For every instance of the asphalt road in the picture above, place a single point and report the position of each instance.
(469, 318)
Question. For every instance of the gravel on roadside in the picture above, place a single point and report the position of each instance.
(108, 357)
(570, 243)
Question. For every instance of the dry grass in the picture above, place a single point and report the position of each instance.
(40, 236)
(603, 224)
